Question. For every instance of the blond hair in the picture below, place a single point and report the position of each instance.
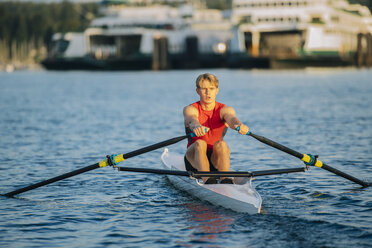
(209, 77)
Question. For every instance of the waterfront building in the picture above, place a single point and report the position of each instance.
(185, 34)
(312, 30)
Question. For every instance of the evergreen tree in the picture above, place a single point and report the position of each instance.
(26, 26)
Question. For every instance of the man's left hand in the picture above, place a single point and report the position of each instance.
(243, 129)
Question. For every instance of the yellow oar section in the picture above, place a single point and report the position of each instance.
(116, 159)
(307, 159)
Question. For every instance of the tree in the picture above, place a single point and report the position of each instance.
(30, 25)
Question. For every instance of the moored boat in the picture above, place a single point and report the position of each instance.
(240, 196)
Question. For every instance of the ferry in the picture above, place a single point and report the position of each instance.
(253, 34)
(145, 37)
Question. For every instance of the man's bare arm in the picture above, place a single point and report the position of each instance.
(228, 114)
(191, 118)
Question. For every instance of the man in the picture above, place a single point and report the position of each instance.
(209, 120)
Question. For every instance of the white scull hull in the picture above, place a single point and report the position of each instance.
(240, 196)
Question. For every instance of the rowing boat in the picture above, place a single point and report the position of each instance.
(240, 196)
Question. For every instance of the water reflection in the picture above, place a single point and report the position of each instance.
(206, 225)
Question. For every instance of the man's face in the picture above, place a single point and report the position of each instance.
(207, 92)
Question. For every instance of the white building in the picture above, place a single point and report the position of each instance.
(291, 28)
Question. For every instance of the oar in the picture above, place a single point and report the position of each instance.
(110, 159)
(308, 159)
(200, 174)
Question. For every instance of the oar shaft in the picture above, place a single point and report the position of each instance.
(155, 171)
(52, 180)
(344, 175)
(200, 174)
(245, 173)
(154, 147)
(277, 145)
(277, 172)
(97, 165)
(305, 158)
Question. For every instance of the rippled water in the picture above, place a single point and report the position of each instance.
(56, 122)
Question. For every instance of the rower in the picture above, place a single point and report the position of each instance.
(209, 121)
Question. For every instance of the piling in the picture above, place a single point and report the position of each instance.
(160, 56)
(360, 50)
(191, 57)
(369, 50)
(364, 50)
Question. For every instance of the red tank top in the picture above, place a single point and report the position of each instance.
(212, 120)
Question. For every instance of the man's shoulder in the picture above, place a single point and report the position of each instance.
(227, 110)
(190, 109)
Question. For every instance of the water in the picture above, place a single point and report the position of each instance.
(56, 122)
